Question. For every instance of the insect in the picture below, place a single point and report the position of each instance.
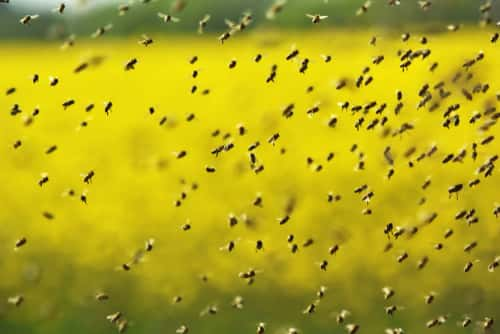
(168, 18)
(28, 18)
(316, 18)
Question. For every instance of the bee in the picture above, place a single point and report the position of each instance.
(429, 298)
(130, 65)
(183, 329)
(102, 30)
(323, 265)
(309, 309)
(203, 23)
(16, 300)
(224, 37)
(388, 292)
(316, 18)
(425, 4)
(341, 316)
(20, 242)
(145, 40)
(321, 292)
(494, 38)
(68, 103)
(232, 64)
(44, 179)
(101, 296)
(275, 9)
(114, 317)
(470, 246)
(466, 322)
(261, 327)
(17, 144)
(364, 8)
(352, 328)
(48, 215)
(402, 257)
(167, 18)
(455, 189)
(493, 265)
(60, 9)
(87, 178)
(487, 323)
(272, 140)
(28, 18)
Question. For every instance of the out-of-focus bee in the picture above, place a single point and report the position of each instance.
(316, 18)
(20, 242)
(102, 30)
(388, 292)
(352, 328)
(59, 9)
(168, 18)
(470, 246)
(183, 329)
(425, 4)
(261, 328)
(130, 65)
(101, 296)
(430, 298)
(402, 257)
(145, 40)
(275, 9)
(28, 18)
(364, 8)
(203, 23)
(15, 300)
(114, 317)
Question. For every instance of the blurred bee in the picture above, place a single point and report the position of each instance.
(168, 18)
(145, 40)
(352, 328)
(261, 327)
(20, 242)
(101, 296)
(28, 18)
(130, 65)
(59, 9)
(388, 292)
(316, 18)
(275, 9)
(16, 300)
(364, 8)
(183, 329)
(425, 4)
(203, 23)
(102, 30)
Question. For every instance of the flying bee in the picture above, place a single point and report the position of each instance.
(114, 317)
(429, 298)
(102, 30)
(20, 242)
(145, 40)
(87, 178)
(275, 9)
(323, 265)
(28, 18)
(364, 8)
(470, 246)
(167, 18)
(16, 300)
(388, 292)
(44, 179)
(352, 328)
(203, 23)
(232, 63)
(402, 257)
(183, 329)
(59, 9)
(316, 18)
(425, 4)
(466, 322)
(493, 265)
(261, 327)
(342, 316)
(130, 65)
(455, 189)
(321, 292)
